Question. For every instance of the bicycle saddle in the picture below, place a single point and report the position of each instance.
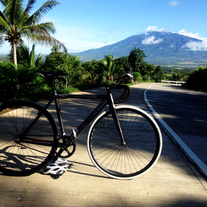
(51, 74)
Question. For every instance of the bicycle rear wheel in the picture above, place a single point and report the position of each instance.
(143, 143)
(21, 156)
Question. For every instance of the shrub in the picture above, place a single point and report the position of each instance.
(137, 77)
(21, 83)
(198, 79)
(8, 81)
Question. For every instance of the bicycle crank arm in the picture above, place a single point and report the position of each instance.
(66, 151)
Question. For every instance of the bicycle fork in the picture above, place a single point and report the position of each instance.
(116, 119)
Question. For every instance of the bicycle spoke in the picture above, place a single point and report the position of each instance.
(19, 155)
(142, 149)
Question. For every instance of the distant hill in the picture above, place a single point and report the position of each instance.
(161, 48)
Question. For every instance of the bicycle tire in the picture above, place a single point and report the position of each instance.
(20, 158)
(142, 136)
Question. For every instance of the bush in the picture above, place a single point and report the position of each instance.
(22, 83)
(198, 79)
(8, 81)
(137, 77)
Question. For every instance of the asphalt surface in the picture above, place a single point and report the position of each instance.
(185, 111)
(173, 181)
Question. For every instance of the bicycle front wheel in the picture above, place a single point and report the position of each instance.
(143, 143)
(24, 155)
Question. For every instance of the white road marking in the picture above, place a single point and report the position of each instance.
(193, 157)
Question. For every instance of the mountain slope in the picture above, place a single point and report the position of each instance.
(162, 48)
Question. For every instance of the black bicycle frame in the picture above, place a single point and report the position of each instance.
(90, 117)
(106, 99)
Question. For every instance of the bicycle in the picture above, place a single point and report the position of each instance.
(123, 141)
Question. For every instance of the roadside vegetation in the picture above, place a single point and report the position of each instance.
(22, 82)
(198, 79)
(18, 76)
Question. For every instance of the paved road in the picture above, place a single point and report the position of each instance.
(185, 111)
(172, 182)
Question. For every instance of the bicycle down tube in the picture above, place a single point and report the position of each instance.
(107, 99)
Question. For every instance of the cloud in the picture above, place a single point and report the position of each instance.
(196, 46)
(190, 34)
(154, 29)
(174, 3)
(108, 33)
(151, 41)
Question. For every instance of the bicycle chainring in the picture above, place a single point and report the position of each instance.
(69, 151)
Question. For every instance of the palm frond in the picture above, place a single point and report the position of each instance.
(38, 60)
(23, 52)
(32, 56)
(25, 13)
(39, 29)
(29, 6)
(3, 24)
(47, 26)
(4, 2)
(13, 10)
(35, 18)
(47, 40)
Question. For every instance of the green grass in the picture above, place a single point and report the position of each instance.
(68, 90)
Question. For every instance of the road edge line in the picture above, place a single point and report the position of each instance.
(191, 155)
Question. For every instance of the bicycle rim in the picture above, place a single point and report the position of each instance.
(24, 157)
(143, 138)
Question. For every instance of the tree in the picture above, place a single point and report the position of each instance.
(58, 61)
(54, 60)
(158, 74)
(122, 65)
(73, 67)
(176, 76)
(110, 67)
(136, 60)
(198, 79)
(16, 23)
(95, 71)
(150, 69)
(23, 54)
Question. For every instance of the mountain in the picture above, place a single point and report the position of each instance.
(161, 48)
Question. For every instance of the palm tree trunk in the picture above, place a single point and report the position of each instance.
(15, 53)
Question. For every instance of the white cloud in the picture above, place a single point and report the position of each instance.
(174, 3)
(154, 29)
(190, 34)
(194, 45)
(151, 41)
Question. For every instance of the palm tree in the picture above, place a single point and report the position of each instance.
(73, 67)
(109, 65)
(16, 23)
(23, 53)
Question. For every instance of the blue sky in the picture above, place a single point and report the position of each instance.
(88, 24)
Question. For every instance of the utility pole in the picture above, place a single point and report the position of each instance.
(190, 65)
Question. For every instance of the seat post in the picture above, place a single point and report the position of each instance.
(57, 105)
(53, 86)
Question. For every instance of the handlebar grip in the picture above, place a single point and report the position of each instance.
(124, 96)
